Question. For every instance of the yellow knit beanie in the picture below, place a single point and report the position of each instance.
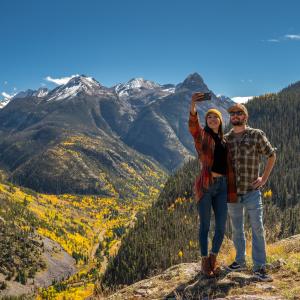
(214, 111)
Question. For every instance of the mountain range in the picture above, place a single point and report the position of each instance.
(76, 137)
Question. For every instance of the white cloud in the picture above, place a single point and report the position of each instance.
(246, 80)
(5, 82)
(59, 81)
(292, 36)
(7, 96)
(242, 99)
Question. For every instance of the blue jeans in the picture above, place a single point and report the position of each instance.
(215, 197)
(253, 204)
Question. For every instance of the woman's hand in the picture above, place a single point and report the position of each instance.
(196, 97)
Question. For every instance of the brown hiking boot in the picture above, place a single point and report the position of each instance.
(215, 268)
(205, 266)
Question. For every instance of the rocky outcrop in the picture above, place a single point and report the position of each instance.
(185, 281)
(60, 265)
(291, 243)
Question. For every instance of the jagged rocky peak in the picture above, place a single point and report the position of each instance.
(41, 92)
(193, 82)
(74, 86)
(193, 78)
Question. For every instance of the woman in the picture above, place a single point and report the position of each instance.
(215, 186)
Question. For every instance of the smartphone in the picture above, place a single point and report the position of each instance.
(207, 96)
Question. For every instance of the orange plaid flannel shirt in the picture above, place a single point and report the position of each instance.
(205, 147)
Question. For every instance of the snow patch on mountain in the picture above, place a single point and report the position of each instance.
(42, 92)
(3, 102)
(135, 85)
(6, 99)
(170, 90)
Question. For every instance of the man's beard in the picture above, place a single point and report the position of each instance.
(238, 122)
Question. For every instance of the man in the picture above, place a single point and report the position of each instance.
(246, 146)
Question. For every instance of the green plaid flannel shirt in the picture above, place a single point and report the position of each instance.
(246, 154)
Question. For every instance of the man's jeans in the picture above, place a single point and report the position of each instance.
(215, 197)
(253, 204)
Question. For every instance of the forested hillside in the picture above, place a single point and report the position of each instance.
(20, 247)
(168, 233)
(278, 116)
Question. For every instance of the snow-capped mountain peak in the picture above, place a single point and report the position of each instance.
(83, 81)
(142, 83)
(74, 86)
(135, 84)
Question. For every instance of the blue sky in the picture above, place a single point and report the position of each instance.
(239, 47)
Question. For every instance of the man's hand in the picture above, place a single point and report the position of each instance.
(259, 182)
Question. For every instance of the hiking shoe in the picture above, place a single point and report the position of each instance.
(236, 267)
(262, 275)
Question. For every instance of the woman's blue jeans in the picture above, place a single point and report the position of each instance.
(216, 198)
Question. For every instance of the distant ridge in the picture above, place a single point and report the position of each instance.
(66, 139)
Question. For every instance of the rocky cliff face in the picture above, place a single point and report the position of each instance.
(59, 265)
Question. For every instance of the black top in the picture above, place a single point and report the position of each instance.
(220, 154)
